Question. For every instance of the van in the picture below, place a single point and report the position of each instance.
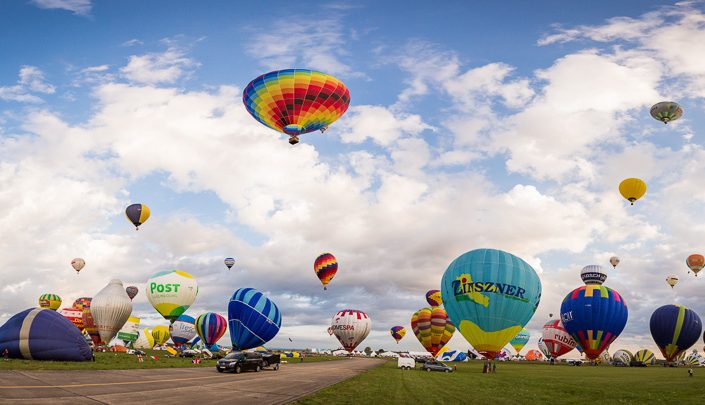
(406, 363)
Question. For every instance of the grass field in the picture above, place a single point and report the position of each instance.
(518, 383)
(120, 361)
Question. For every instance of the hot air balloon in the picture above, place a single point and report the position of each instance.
(579, 348)
(144, 340)
(695, 262)
(675, 329)
(130, 330)
(672, 280)
(229, 262)
(253, 319)
(622, 356)
(594, 315)
(49, 301)
(593, 274)
(160, 334)
(632, 189)
(433, 297)
(137, 214)
(89, 326)
(296, 101)
(171, 292)
(397, 332)
(533, 355)
(41, 334)
(78, 264)
(544, 348)
(694, 360)
(520, 340)
(80, 303)
(74, 315)
(131, 291)
(490, 295)
(432, 328)
(351, 327)
(614, 261)
(556, 338)
(182, 330)
(325, 267)
(111, 307)
(666, 111)
(645, 356)
(210, 327)
(604, 357)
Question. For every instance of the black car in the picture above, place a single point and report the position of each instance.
(241, 361)
(433, 365)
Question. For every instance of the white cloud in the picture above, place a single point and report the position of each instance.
(79, 7)
(379, 124)
(133, 42)
(31, 80)
(154, 68)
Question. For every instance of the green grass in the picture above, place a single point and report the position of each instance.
(518, 383)
(122, 361)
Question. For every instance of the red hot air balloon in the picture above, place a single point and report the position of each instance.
(695, 262)
(557, 340)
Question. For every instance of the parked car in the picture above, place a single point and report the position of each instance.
(575, 362)
(271, 360)
(406, 363)
(240, 361)
(433, 365)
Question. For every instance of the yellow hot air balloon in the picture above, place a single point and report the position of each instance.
(49, 301)
(160, 334)
(632, 189)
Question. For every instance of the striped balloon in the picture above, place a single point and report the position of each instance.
(210, 327)
(325, 267)
(253, 319)
(645, 356)
(675, 329)
(432, 328)
(296, 101)
(49, 301)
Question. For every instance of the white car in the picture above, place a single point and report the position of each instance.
(406, 363)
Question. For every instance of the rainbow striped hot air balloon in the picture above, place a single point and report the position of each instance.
(325, 267)
(296, 101)
(490, 295)
(49, 301)
(253, 319)
(594, 315)
(210, 327)
(432, 328)
(397, 332)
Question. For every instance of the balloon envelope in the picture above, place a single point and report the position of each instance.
(351, 327)
(594, 315)
(675, 329)
(490, 295)
(41, 334)
(695, 262)
(645, 356)
(432, 328)
(210, 327)
(49, 301)
(593, 274)
(433, 297)
(182, 330)
(614, 261)
(130, 330)
(666, 111)
(78, 264)
(557, 340)
(632, 189)
(623, 356)
(144, 340)
(131, 291)
(74, 315)
(253, 319)
(544, 348)
(520, 340)
(160, 334)
(137, 214)
(397, 332)
(110, 307)
(672, 280)
(325, 266)
(171, 292)
(532, 355)
(229, 262)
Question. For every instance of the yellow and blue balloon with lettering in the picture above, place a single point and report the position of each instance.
(490, 295)
(137, 214)
(520, 340)
(171, 292)
(397, 332)
(594, 315)
(675, 329)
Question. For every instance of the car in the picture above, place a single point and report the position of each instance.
(241, 361)
(433, 365)
(575, 362)
(406, 363)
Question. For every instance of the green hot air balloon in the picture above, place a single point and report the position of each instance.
(490, 295)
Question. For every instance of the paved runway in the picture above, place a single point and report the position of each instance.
(176, 385)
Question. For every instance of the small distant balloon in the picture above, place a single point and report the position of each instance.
(632, 189)
(433, 297)
(672, 280)
(78, 264)
(325, 266)
(695, 262)
(131, 291)
(397, 332)
(229, 261)
(614, 261)
(666, 111)
(49, 301)
(137, 214)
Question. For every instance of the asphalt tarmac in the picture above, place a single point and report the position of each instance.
(176, 385)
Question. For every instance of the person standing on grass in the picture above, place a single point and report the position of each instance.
(690, 371)
(6, 354)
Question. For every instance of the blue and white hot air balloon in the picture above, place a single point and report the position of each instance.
(253, 319)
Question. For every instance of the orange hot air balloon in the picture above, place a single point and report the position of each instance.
(432, 328)
(695, 262)
(325, 268)
(533, 355)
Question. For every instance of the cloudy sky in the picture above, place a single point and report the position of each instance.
(469, 127)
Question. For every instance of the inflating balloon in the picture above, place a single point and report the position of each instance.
(130, 330)
(144, 340)
(490, 295)
(520, 340)
(675, 329)
(632, 189)
(137, 214)
(594, 315)
(325, 266)
(229, 262)
(666, 111)
(80, 303)
(296, 101)
(210, 327)
(351, 327)
(89, 326)
(182, 330)
(544, 348)
(171, 292)
(593, 274)
(253, 319)
(695, 263)
(432, 328)
(645, 356)
(110, 307)
(557, 340)
(433, 297)
(49, 301)
(74, 315)
(78, 264)
(533, 355)
(131, 291)
(623, 356)
(160, 334)
(397, 332)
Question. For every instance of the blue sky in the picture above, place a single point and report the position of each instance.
(500, 124)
